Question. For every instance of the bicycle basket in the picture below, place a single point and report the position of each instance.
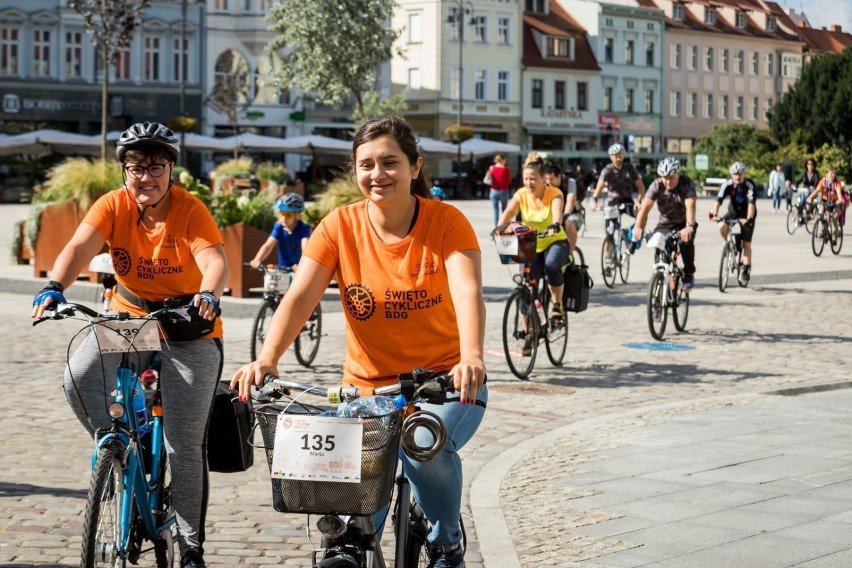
(379, 447)
(276, 281)
(516, 245)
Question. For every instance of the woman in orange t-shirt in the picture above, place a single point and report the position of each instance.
(394, 255)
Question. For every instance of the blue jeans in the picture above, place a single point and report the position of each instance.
(499, 200)
(776, 199)
(437, 484)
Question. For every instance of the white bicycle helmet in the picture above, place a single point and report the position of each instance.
(737, 168)
(668, 166)
(615, 149)
(147, 134)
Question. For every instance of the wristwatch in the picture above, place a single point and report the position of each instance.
(692, 224)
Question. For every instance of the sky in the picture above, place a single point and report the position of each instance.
(823, 13)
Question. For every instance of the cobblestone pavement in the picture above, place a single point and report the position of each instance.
(788, 330)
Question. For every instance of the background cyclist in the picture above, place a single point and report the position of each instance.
(290, 234)
(741, 205)
(394, 255)
(806, 184)
(164, 244)
(831, 189)
(621, 178)
(571, 218)
(541, 206)
(674, 194)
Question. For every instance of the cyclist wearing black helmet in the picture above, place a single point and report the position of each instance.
(743, 206)
(290, 234)
(675, 196)
(164, 243)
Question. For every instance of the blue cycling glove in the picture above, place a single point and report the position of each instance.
(210, 298)
(49, 292)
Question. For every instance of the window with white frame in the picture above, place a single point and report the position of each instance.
(674, 59)
(503, 30)
(608, 22)
(609, 49)
(791, 65)
(754, 105)
(708, 106)
(608, 96)
(415, 27)
(559, 95)
(738, 113)
(674, 103)
(739, 63)
(741, 20)
(180, 60)
(628, 99)
(73, 55)
(537, 100)
(692, 62)
(723, 107)
(9, 41)
(582, 96)
(723, 60)
(247, 6)
(770, 24)
(708, 58)
(414, 81)
(710, 16)
(121, 64)
(220, 5)
(502, 86)
(455, 17)
(151, 56)
(480, 85)
(649, 101)
(650, 26)
(41, 52)
(629, 24)
(755, 63)
(692, 106)
(559, 47)
(677, 12)
(649, 53)
(535, 6)
(480, 29)
(628, 51)
(767, 107)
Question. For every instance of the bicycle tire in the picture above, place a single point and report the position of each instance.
(556, 335)
(837, 241)
(308, 340)
(792, 221)
(102, 518)
(260, 325)
(164, 544)
(817, 240)
(417, 552)
(810, 220)
(657, 312)
(624, 266)
(725, 267)
(519, 309)
(608, 260)
(680, 307)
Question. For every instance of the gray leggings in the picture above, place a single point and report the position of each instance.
(190, 373)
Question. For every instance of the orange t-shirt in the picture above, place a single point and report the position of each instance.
(155, 264)
(396, 297)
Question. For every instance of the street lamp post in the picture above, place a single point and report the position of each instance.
(462, 8)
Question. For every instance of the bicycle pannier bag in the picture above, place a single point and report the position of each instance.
(515, 244)
(575, 294)
(231, 433)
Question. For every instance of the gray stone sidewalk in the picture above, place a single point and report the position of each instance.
(615, 459)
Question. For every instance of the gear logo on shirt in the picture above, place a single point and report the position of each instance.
(360, 302)
(121, 262)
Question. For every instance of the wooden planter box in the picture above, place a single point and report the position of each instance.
(241, 244)
(57, 223)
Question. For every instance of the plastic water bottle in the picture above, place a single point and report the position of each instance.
(140, 407)
(371, 406)
(539, 309)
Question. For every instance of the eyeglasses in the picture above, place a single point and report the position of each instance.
(138, 172)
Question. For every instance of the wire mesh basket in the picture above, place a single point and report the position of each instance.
(379, 446)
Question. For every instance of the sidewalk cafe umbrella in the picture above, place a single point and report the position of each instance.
(191, 141)
(437, 149)
(42, 142)
(479, 148)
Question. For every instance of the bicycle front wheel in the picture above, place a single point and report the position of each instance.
(792, 221)
(624, 263)
(725, 267)
(520, 333)
(102, 530)
(657, 310)
(837, 238)
(818, 237)
(609, 263)
(307, 342)
(556, 335)
(261, 325)
(680, 308)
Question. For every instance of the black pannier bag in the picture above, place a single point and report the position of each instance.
(231, 432)
(575, 294)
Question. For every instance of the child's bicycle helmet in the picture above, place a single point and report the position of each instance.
(290, 203)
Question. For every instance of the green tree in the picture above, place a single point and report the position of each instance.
(816, 109)
(332, 48)
(729, 143)
(374, 105)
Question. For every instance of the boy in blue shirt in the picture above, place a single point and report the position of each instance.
(290, 233)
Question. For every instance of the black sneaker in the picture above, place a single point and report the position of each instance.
(527, 349)
(192, 559)
(449, 557)
(745, 275)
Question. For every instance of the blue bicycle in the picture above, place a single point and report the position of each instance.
(129, 502)
(615, 252)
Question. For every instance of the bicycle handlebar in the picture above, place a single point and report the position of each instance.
(267, 270)
(69, 310)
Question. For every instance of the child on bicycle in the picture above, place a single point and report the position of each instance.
(742, 205)
(290, 234)
(164, 244)
(395, 255)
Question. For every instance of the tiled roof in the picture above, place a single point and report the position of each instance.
(557, 23)
(834, 40)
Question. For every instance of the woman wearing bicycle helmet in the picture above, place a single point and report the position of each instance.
(675, 196)
(410, 278)
(290, 234)
(164, 243)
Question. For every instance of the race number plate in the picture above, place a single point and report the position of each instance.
(120, 336)
(317, 448)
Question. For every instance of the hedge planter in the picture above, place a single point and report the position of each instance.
(241, 244)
